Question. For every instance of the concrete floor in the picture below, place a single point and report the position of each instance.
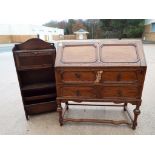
(12, 118)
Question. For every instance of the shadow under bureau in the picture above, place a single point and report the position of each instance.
(99, 72)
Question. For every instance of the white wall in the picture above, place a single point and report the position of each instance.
(5, 29)
(21, 30)
(17, 29)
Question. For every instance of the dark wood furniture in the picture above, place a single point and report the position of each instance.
(34, 61)
(107, 71)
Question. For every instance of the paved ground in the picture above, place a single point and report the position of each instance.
(6, 47)
(12, 118)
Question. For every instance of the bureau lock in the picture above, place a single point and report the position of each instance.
(98, 76)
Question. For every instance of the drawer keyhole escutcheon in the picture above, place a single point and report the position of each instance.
(98, 76)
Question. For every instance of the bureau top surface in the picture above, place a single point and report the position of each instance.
(100, 53)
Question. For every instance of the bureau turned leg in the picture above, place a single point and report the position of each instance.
(136, 113)
(125, 106)
(59, 109)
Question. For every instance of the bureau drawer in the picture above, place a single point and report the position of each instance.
(80, 76)
(78, 91)
(120, 92)
(119, 76)
(106, 76)
(35, 59)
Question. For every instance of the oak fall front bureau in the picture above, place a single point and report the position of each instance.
(107, 71)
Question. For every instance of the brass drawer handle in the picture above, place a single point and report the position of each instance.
(77, 93)
(119, 92)
(77, 75)
(98, 76)
(119, 77)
